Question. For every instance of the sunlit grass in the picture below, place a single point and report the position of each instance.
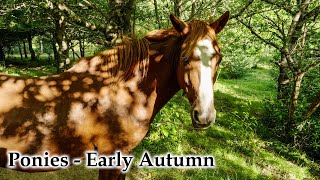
(255, 86)
(239, 150)
(29, 72)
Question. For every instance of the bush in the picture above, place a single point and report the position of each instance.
(275, 118)
(234, 69)
(306, 133)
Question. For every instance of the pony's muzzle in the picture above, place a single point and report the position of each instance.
(201, 120)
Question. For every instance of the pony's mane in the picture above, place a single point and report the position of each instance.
(121, 60)
(131, 52)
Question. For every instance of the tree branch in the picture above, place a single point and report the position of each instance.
(94, 6)
(296, 25)
(313, 107)
(241, 11)
(277, 27)
(315, 12)
(276, 3)
(6, 10)
(291, 63)
(74, 17)
(258, 36)
(281, 29)
(310, 66)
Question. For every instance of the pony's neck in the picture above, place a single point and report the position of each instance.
(162, 80)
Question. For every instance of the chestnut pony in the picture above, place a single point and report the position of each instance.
(108, 101)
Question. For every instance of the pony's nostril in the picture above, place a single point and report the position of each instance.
(196, 116)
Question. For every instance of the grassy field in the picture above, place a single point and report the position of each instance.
(241, 144)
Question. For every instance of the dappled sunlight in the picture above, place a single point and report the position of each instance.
(256, 87)
(270, 161)
(80, 108)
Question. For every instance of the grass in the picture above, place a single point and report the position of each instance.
(240, 143)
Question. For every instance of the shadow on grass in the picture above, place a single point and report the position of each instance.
(217, 141)
(73, 172)
(232, 104)
(238, 140)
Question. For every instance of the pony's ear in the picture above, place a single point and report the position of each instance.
(219, 24)
(179, 25)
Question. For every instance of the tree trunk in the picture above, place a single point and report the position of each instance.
(294, 99)
(134, 19)
(157, 13)
(33, 54)
(283, 79)
(177, 8)
(20, 51)
(2, 56)
(120, 13)
(25, 49)
(81, 47)
(73, 56)
(41, 46)
(313, 107)
(11, 50)
(60, 39)
(193, 9)
(55, 53)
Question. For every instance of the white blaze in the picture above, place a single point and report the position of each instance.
(204, 50)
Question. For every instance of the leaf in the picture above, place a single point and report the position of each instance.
(164, 132)
(177, 114)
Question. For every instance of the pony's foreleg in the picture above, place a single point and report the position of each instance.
(111, 174)
(3, 157)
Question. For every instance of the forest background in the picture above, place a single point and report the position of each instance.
(267, 94)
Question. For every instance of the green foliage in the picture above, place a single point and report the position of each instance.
(234, 68)
(275, 118)
(310, 86)
(241, 52)
(306, 133)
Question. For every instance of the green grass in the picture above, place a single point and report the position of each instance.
(28, 72)
(242, 146)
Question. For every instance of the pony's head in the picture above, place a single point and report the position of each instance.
(198, 66)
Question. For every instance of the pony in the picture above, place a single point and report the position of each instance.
(107, 102)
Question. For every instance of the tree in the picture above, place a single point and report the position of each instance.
(120, 13)
(177, 5)
(109, 21)
(157, 13)
(2, 56)
(33, 54)
(291, 28)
